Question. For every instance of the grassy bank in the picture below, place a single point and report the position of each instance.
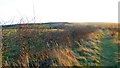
(65, 44)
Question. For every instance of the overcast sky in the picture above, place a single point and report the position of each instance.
(60, 10)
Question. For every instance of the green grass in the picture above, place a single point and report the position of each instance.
(108, 52)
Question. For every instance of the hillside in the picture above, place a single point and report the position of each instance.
(63, 44)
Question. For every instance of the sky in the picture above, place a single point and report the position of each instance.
(58, 11)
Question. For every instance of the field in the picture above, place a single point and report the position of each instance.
(60, 44)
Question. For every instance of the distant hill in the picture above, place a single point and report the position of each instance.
(51, 24)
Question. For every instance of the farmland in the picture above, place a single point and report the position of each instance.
(64, 44)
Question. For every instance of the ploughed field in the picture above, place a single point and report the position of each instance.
(64, 44)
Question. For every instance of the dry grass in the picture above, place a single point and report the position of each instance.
(71, 46)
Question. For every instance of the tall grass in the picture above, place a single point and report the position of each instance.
(30, 45)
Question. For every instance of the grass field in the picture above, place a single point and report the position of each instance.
(65, 44)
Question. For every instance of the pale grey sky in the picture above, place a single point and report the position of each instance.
(60, 10)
